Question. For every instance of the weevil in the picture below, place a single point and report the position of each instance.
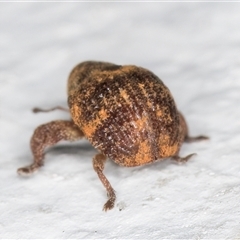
(126, 112)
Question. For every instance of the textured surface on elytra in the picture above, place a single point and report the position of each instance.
(194, 48)
(125, 111)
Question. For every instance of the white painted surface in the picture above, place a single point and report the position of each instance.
(194, 48)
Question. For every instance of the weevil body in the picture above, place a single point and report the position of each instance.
(126, 112)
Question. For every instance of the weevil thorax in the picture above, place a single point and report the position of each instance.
(124, 111)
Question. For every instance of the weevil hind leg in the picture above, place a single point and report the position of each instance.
(195, 139)
(98, 165)
(47, 135)
(179, 159)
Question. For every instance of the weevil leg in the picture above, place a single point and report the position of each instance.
(37, 110)
(182, 159)
(98, 165)
(47, 135)
(195, 139)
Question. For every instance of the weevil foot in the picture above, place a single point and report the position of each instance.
(110, 203)
(29, 170)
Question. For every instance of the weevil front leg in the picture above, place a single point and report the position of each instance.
(37, 110)
(47, 135)
(98, 165)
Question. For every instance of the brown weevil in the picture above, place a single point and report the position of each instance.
(126, 113)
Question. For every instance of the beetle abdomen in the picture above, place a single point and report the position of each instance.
(127, 113)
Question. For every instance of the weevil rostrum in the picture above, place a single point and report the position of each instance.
(126, 113)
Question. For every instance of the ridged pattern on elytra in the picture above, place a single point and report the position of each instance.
(82, 72)
(125, 111)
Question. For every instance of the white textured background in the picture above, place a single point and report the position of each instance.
(194, 48)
